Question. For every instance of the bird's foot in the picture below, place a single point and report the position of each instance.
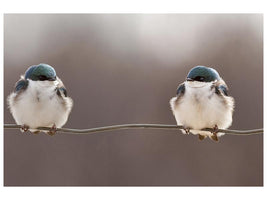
(52, 130)
(201, 137)
(24, 128)
(214, 133)
(187, 130)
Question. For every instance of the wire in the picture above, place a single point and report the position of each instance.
(137, 126)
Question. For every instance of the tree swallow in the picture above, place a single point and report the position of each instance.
(202, 101)
(40, 100)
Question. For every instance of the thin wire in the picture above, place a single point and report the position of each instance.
(136, 126)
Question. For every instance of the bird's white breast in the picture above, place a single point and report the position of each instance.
(39, 105)
(201, 107)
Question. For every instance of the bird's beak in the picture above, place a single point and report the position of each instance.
(189, 79)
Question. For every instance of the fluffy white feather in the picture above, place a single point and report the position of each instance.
(200, 107)
(39, 105)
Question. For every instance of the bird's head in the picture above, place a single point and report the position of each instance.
(203, 74)
(41, 72)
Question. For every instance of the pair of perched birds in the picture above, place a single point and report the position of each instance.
(40, 100)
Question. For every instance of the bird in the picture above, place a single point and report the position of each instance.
(40, 99)
(202, 101)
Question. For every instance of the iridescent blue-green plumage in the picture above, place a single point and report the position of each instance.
(21, 85)
(203, 74)
(41, 72)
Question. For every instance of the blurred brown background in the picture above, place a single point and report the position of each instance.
(124, 68)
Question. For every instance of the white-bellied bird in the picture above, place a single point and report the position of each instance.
(202, 101)
(40, 100)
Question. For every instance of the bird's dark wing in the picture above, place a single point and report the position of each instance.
(180, 90)
(61, 91)
(22, 84)
(221, 89)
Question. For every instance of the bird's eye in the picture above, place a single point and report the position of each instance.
(42, 77)
(200, 78)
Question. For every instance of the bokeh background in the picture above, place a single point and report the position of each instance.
(124, 68)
